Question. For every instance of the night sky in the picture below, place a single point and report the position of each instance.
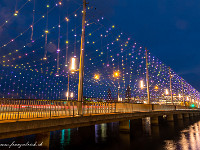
(168, 28)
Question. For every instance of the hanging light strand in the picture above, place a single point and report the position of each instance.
(33, 20)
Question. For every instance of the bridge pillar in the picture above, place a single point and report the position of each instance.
(146, 123)
(186, 115)
(170, 117)
(179, 116)
(124, 126)
(191, 115)
(154, 120)
(43, 139)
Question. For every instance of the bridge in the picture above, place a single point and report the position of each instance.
(25, 117)
(42, 88)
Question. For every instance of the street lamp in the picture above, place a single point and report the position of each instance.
(141, 84)
(116, 74)
(73, 66)
(67, 94)
(72, 69)
(96, 76)
(166, 92)
(72, 95)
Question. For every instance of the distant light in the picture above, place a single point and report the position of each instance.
(67, 19)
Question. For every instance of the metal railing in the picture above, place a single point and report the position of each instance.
(24, 109)
(15, 109)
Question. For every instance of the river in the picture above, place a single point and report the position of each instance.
(178, 135)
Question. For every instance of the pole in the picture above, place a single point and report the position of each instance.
(147, 76)
(81, 65)
(183, 93)
(170, 76)
(118, 92)
(68, 88)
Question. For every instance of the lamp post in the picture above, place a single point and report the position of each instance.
(166, 93)
(82, 50)
(183, 92)
(68, 88)
(147, 76)
(170, 77)
(116, 75)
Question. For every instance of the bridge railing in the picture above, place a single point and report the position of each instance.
(24, 109)
(11, 109)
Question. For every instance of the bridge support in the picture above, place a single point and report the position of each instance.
(170, 117)
(146, 124)
(43, 139)
(124, 126)
(179, 116)
(154, 120)
(186, 115)
(195, 114)
(191, 115)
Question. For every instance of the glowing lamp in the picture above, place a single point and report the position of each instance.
(116, 74)
(166, 92)
(67, 19)
(45, 58)
(73, 66)
(156, 87)
(67, 94)
(141, 84)
(72, 95)
(46, 31)
(179, 95)
(96, 76)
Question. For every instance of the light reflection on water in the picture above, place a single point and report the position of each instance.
(179, 135)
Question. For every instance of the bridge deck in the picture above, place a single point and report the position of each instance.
(13, 128)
